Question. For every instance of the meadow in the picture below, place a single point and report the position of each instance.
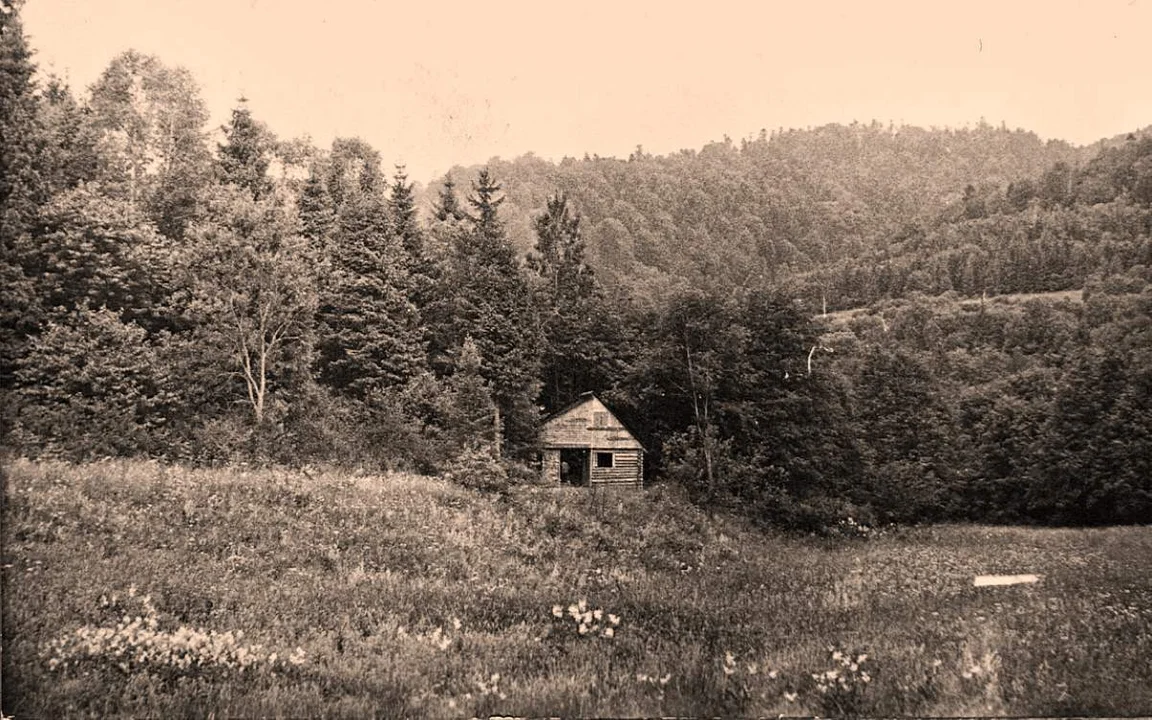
(135, 588)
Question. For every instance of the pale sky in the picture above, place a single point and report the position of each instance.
(437, 83)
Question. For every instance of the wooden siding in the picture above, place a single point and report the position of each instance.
(627, 469)
(577, 428)
(591, 427)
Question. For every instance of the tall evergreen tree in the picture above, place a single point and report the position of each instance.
(22, 188)
(316, 209)
(243, 158)
(406, 226)
(580, 334)
(448, 207)
(472, 416)
(371, 338)
(71, 156)
(486, 297)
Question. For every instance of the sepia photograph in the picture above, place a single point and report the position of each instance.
(633, 359)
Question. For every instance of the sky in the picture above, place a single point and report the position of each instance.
(436, 84)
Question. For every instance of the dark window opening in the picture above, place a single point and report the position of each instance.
(603, 460)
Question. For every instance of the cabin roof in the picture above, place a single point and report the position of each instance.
(563, 429)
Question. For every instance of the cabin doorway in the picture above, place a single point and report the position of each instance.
(574, 467)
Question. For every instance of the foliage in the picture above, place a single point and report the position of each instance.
(23, 189)
(484, 296)
(243, 158)
(370, 338)
(477, 467)
(844, 687)
(845, 321)
(150, 143)
(91, 387)
(581, 331)
(253, 297)
(912, 443)
(137, 645)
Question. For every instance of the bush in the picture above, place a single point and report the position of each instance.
(91, 386)
(478, 468)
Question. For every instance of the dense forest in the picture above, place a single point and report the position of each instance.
(875, 322)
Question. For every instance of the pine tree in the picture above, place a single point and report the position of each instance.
(472, 416)
(243, 158)
(486, 222)
(22, 189)
(91, 387)
(579, 334)
(447, 204)
(485, 296)
(421, 267)
(371, 338)
(316, 209)
(71, 156)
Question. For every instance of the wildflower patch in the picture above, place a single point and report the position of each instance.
(843, 687)
(585, 620)
(137, 644)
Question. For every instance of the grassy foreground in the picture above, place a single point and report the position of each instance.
(136, 589)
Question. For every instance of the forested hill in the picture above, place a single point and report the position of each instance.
(788, 203)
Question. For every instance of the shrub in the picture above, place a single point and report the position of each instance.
(478, 468)
(91, 387)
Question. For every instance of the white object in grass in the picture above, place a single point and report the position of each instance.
(985, 580)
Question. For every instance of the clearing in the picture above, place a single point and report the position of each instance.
(132, 588)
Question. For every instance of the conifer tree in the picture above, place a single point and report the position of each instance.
(315, 207)
(371, 338)
(447, 204)
(489, 300)
(22, 189)
(472, 416)
(579, 334)
(244, 157)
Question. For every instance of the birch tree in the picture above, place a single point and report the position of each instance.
(254, 295)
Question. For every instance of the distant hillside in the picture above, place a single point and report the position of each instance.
(786, 203)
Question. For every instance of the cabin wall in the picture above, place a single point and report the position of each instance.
(550, 467)
(627, 469)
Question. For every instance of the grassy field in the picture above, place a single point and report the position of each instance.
(137, 589)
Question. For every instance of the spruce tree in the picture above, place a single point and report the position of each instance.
(447, 204)
(489, 299)
(472, 416)
(316, 210)
(244, 157)
(371, 338)
(579, 334)
(22, 189)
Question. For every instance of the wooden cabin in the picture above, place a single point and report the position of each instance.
(585, 444)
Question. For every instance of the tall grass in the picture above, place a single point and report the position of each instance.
(401, 595)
